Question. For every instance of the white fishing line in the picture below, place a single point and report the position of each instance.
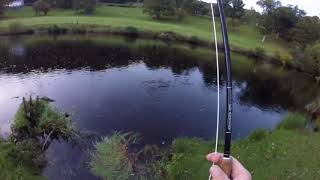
(218, 80)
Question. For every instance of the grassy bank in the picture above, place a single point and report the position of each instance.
(36, 124)
(289, 152)
(245, 38)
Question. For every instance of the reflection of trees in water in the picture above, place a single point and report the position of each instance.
(46, 55)
(290, 90)
(263, 87)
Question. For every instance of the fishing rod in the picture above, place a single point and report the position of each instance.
(226, 163)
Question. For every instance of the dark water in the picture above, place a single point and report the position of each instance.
(160, 90)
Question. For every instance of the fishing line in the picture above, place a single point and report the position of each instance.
(218, 80)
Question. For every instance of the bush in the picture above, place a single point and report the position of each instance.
(258, 135)
(131, 31)
(259, 52)
(194, 40)
(37, 118)
(16, 27)
(312, 54)
(57, 30)
(293, 121)
(85, 6)
(111, 160)
(41, 6)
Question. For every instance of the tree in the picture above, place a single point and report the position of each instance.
(41, 6)
(283, 19)
(3, 3)
(159, 8)
(269, 5)
(312, 53)
(65, 4)
(250, 16)
(85, 6)
(306, 31)
(237, 10)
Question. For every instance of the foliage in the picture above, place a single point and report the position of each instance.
(293, 121)
(131, 31)
(41, 6)
(237, 9)
(259, 52)
(159, 8)
(269, 5)
(112, 159)
(66, 4)
(85, 6)
(313, 58)
(306, 31)
(16, 27)
(116, 158)
(258, 135)
(250, 16)
(20, 161)
(37, 118)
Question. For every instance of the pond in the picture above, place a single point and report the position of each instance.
(160, 90)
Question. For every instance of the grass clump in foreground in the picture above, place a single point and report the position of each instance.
(293, 121)
(36, 124)
(115, 157)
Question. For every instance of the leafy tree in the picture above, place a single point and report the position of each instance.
(250, 16)
(159, 8)
(312, 53)
(85, 6)
(237, 10)
(306, 31)
(3, 3)
(269, 6)
(41, 6)
(65, 4)
(283, 19)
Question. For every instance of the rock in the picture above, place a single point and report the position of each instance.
(314, 108)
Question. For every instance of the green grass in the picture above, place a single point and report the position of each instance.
(282, 154)
(293, 121)
(15, 162)
(246, 38)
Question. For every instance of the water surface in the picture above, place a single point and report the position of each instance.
(160, 90)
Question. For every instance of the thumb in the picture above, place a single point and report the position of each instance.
(217, 173)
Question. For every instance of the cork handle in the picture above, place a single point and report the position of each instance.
(226, 166)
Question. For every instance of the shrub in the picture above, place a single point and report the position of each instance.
(259, 52)
(111, 160)
(259, 135)
(293, 121)
(16, 27)
(194, 40)
(41, 6)
(57, 30)
(85, 6)
(37, 118)
(131, 31)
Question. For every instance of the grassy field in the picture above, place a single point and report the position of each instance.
(245, 38)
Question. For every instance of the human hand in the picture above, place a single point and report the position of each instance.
(238, 172)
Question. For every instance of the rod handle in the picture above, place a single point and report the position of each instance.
(226, 165)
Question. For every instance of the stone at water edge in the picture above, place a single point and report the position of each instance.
(314, 108)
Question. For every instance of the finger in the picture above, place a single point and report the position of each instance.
(214, 157)
(239, 171)
(217, 173)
